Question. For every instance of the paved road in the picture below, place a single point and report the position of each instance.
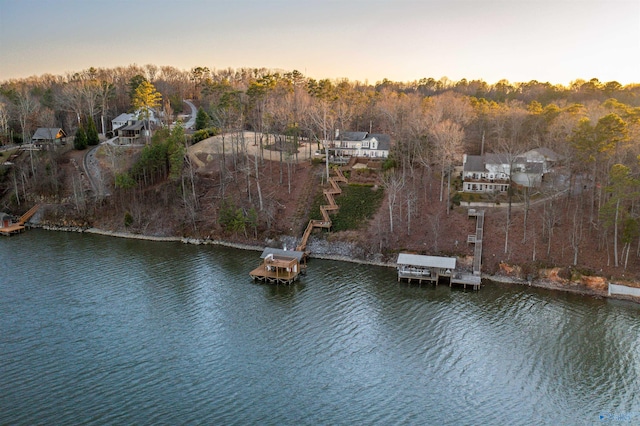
(191, 124)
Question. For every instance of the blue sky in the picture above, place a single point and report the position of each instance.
(366, 40)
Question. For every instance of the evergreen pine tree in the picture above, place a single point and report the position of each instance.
(92, 133)
(80, 141)
(202, 119)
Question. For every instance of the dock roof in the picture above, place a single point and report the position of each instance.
(426, 261)
(298, 255)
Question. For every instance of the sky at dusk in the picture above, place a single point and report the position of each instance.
(367, 40)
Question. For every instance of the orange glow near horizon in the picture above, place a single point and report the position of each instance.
(400, 40)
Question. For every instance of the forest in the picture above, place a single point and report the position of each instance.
(592, 222)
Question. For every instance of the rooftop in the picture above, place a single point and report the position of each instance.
(426, 261)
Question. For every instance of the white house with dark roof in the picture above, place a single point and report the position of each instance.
(126, 119)
(485, 173)
(122, 120)
(360, 144)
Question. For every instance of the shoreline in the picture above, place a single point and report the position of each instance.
(543, 284)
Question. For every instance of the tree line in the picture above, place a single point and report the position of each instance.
(593, 125)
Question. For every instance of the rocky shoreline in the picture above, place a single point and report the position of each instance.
(343, 252)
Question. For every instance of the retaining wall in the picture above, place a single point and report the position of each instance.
(623, 290)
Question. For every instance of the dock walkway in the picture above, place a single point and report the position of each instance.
(477, 240)
(19, 226)
(418, 268)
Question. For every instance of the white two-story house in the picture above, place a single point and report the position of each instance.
(495, 172)
(360, 144)
(485, 173)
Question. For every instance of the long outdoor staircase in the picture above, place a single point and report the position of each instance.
(324, 209)
(476, 239)
(25, 217)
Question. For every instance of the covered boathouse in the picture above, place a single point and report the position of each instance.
(419, 268)
(415, 267)
(279, 266)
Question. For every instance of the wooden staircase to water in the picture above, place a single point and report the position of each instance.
(476, 239)
(325, 209)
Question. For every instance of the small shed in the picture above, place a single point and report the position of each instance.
(48, 135)
(430, 268)
(6, 220)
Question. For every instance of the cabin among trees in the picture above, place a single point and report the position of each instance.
(48, 135)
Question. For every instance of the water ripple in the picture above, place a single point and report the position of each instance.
(115, 331)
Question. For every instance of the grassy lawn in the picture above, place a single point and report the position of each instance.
(358, 203)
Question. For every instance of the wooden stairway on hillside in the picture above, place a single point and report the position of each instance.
(324, 209)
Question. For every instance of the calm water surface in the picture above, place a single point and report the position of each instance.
(99, 330)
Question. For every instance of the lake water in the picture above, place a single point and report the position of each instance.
(100, 330)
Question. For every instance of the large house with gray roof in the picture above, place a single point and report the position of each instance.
(495, 172)
(360, 144)
(485, 173)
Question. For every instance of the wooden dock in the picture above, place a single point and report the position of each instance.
(413, 274)
(433, 269)
(279, 266)
(418, 268)
(464, 280)
(7, 231)
(7, 228)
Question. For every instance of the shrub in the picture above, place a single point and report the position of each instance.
(92, 133)
(388, 164)
(128, 219)
(80, 141)
(203, 134)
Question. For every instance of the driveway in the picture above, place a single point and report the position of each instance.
(191, 124)
(93, 173)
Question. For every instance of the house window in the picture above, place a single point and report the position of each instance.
(365, 144)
